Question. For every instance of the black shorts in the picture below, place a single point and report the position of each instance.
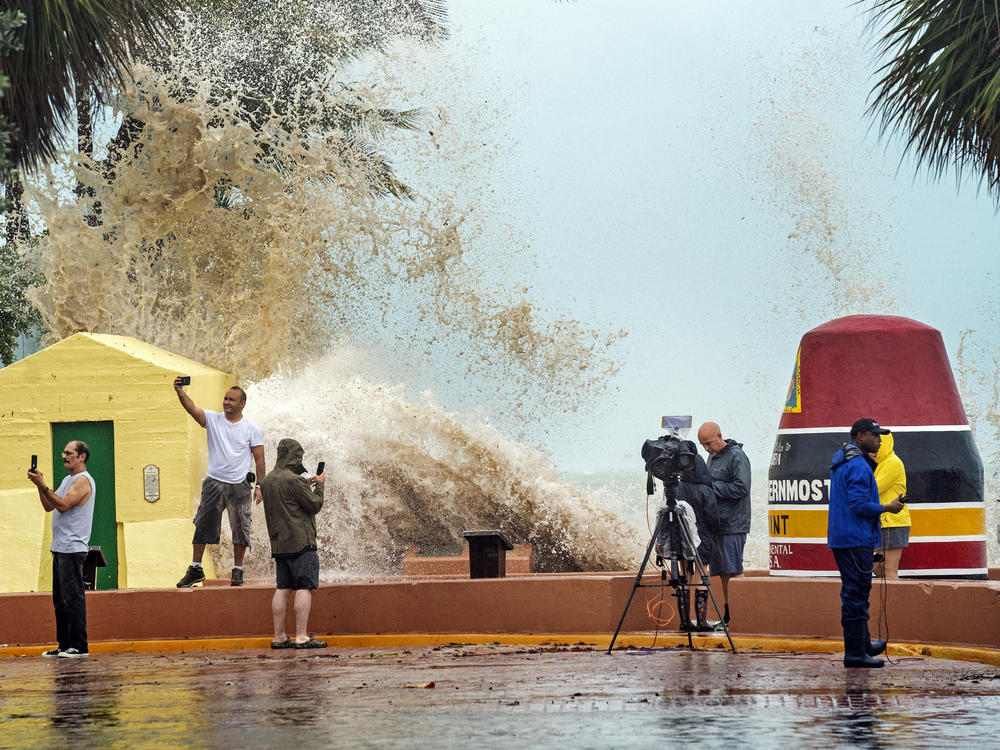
(299, 571)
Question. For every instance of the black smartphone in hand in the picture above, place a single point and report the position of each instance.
(319, 469)
(184, 380)
(34, 463)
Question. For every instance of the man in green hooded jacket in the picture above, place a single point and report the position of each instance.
(291, 503)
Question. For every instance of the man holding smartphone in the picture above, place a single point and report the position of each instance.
(291, 503)
(72, 508)
(233, 440)
(853, 534)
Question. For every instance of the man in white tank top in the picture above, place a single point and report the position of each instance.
(73, 515)
(233, 440)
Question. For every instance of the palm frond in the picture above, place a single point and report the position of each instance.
(940, 88)
(69, 48)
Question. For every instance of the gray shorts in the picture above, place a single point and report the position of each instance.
(299, 571)
(728, 557)
(895, 537)
(216, 496)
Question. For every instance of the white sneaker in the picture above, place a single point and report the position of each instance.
(73, 653)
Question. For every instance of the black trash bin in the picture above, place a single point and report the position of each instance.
(93, 561)
(487, 553)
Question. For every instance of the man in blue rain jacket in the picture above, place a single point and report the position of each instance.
(853, 534)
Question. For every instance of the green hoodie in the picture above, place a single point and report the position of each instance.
(291, 502)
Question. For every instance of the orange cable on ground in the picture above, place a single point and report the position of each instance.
(657, 603)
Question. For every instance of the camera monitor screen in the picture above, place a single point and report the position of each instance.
(677, 423)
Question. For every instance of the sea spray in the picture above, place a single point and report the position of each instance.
(249, 237)
(246, 237)
(403, 474)
(979, 383)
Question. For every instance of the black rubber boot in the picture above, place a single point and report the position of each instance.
(855, 641)
(684, 610)
(876, 647)
(701, 611)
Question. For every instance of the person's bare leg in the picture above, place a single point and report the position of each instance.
(725, 597)
(279, 610)
(879, 568)
(238, 554)
(303, 603)
(892, 562)
(199, 552)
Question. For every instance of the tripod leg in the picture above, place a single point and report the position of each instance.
(708, 588)
(636, 585)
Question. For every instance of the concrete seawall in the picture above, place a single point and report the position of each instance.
(963, 613)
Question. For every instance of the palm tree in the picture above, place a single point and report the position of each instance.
(71, 49)
(940, 89)
(279, 58)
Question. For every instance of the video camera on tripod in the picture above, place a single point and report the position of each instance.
(675, 538)
(667, 458)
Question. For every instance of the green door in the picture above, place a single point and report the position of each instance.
(100, 437)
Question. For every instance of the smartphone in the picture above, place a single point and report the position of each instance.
(319, 469)
(34, 463)
(184, 380)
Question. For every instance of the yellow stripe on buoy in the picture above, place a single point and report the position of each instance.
(942, 521)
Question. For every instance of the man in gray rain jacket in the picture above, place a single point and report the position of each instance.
(730, 470)
(291, 503)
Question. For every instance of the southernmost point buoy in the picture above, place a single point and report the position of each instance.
(896, 371)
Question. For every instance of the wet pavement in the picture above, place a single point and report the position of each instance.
(451, 696)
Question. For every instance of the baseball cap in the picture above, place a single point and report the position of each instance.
(868, 425)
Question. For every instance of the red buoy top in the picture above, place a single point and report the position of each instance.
(892, 369)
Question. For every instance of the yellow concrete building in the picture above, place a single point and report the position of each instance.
(148, 456)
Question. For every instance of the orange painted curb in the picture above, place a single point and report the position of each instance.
(624, 642)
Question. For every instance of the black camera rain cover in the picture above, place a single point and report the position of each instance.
(667, 456)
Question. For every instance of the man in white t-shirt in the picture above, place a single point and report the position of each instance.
(232, 441)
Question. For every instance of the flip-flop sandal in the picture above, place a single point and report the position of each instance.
(311, 643)
(287, 643)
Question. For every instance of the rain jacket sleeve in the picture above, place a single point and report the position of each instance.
(854, 510)
(730, 473)
(859, 494)
(736, 484)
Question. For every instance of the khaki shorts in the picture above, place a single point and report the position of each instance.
(216, 496)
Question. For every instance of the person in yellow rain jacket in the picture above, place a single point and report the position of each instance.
(890, 475)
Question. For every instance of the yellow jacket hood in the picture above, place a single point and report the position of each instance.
(885, 450)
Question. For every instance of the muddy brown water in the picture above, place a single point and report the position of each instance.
(457, 696)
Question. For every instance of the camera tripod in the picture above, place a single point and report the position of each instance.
(668, 520)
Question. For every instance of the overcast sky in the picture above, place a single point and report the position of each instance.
(704, 175)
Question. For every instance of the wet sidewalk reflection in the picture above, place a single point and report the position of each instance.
(450, 696)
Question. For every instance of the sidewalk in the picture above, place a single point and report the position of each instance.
(494, 695)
